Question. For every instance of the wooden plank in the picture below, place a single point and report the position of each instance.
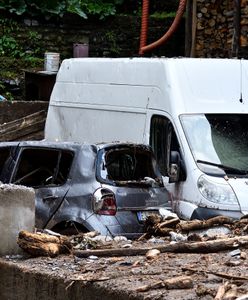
(17, 129)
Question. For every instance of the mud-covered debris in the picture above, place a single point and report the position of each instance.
(243, 297)
(153, 253)
(194, 230)
(180, 282)
(177, 237)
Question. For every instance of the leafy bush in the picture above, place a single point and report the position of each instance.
(83, 8)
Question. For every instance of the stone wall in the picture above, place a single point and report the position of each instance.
(115, 37)
(219, 28)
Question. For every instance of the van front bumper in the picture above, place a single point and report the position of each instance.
(202, 213)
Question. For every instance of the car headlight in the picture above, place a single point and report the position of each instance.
(216, 192)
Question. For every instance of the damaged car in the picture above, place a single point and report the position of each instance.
(110, 188)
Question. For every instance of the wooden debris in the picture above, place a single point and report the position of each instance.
(24, 128)
(231, 293)
(221, 291)
(182, 247)
(40, 244)
(223, 275)
(180, 282)
(198, 224)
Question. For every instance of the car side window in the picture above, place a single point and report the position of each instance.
(163, 140)
(43, 167)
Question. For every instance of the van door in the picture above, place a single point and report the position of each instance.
(163, 141)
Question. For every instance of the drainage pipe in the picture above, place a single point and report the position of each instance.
(167, 35)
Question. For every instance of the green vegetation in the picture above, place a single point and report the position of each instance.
(163, 15)
(49, 8)
(111, 39)
(16, 54)
(10, 46)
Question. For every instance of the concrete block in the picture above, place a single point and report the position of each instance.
(17, 212)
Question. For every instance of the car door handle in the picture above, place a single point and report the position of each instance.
(47, 198)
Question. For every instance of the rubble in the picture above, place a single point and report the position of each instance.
(161, 267)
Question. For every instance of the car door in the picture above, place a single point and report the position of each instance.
(47, 171)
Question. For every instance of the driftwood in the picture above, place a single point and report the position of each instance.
(198, 224)
(182, 247)
(220, 274)
(180, 282)
(40, 244)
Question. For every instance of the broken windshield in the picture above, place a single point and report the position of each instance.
(129, 166)
(218, 139)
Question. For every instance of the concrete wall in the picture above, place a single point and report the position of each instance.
(18, 283)
(17, 212)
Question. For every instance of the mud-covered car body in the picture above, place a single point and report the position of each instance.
(110, 188)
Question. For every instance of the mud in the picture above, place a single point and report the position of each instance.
(69, 277)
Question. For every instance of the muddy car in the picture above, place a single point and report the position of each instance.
(110, 188)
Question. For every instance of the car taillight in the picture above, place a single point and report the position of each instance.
(104, 202)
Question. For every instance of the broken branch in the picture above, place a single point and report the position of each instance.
(198, 224)
(180, 282)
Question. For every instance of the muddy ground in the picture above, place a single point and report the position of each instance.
(123, 276)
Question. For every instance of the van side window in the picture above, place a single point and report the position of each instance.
(163, 140)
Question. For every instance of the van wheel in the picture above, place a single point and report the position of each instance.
(69, 228)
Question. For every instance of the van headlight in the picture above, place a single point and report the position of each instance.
(216, 192)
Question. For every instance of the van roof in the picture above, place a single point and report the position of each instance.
(193, 85)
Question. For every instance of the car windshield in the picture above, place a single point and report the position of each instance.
(219, 142)
(129, 166)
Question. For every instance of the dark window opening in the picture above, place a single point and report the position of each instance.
(43, 167)
(5, 163)
(163, 140)
(4, 155)
(129, 164)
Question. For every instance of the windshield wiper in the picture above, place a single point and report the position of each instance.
(223, 167)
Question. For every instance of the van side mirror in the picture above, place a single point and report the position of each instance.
(174, 167)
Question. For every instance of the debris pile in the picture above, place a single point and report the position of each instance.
(170, 235)
(195, 230)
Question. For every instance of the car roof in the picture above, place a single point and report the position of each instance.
(73, 145)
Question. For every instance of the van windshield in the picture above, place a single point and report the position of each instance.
(219, 142)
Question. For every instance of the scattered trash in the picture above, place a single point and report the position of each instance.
(126, 246)
(177, 237)
(235, 252)
(156, 240)
(2, 98)
(120, 238)
(93, 257)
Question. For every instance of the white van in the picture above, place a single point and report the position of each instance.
(193, 112)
